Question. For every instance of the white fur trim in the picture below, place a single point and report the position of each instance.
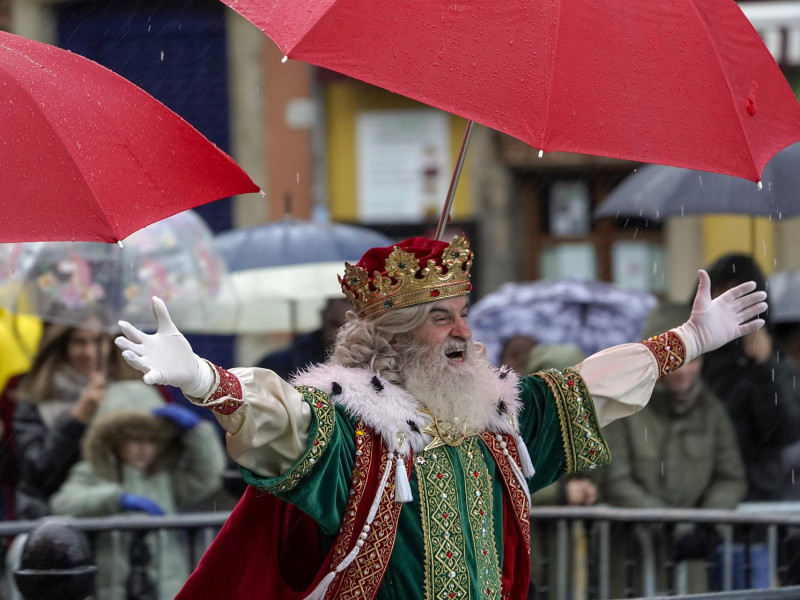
(389, 411)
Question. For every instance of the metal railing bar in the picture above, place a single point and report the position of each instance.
(786, 593)
(127, 523)
(669, 515)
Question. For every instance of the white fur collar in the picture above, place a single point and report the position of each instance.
(390, 410)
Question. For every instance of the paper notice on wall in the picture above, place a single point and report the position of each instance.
(403, 164)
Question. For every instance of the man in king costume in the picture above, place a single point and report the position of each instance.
(402, 467)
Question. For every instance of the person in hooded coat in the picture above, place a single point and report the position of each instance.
(141, 455)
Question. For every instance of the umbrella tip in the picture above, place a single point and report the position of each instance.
(119, 243)
(541, 153)
(284, 59)
(759, 186)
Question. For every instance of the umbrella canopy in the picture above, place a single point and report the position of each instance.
(87, 155)
(294, 242)
(685, 83)
(63, 281)
(655, 192)
(284, 299)
(282, 273)
(588, 314)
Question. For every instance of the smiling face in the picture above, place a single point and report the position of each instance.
(84, 349)
(446, 327)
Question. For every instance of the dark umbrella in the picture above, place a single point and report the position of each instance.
(654, 192)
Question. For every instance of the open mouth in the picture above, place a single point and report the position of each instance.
(455, 355)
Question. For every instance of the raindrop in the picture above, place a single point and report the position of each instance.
(284, 59)
(297, 175)
(162, 55)
(759, 186)
(662, 468)
(792, 476)
(645, 435)
(541, 153)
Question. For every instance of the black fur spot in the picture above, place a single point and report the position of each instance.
(502, 408)
(376, 384)
(504, 373)
(336, 389)
(413, 426)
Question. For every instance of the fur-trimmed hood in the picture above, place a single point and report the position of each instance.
(126, 412)
(389, 410)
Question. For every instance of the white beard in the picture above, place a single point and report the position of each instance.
(465, 392)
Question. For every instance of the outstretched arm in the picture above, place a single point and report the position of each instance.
(266, 418)
(621, 378)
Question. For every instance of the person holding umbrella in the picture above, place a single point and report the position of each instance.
(402, 467)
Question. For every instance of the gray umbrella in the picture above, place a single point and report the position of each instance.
(654, 192)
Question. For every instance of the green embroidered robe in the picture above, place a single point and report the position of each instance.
(449, 540)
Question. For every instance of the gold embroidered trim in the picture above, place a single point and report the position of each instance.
(669, 350)
(361, 468)
(584, 446)
(446, 573)
(519, 499)
(325, 417)
(363, 577)
(479, 501)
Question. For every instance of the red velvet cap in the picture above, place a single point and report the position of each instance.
(424, 249)
(413, 271)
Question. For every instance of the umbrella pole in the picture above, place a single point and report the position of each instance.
(462, 154)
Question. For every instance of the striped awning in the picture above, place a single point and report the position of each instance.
(778, 24)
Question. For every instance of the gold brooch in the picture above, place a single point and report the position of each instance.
(444, 433)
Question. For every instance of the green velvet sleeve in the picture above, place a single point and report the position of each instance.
(319, 483)
(559, 425)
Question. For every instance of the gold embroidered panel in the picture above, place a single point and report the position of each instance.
(444, 490)
(479, 501)
(325, 414)
(584, 446)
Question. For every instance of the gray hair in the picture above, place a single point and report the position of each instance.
(380, 343)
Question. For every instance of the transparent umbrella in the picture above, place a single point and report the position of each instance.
(61, 282)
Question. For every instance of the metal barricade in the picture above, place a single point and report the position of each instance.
(601, 552)
(577, 551)
(199, 530)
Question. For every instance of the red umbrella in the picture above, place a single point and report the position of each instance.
(87, 155)
(678, 82)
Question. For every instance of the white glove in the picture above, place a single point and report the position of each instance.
(716, 322)
(165, 357)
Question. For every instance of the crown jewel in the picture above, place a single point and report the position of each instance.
(404, 282)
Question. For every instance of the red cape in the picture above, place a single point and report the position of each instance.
(267, 549)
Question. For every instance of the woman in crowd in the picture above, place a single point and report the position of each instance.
(55, 401)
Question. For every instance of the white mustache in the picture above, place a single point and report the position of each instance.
(454, 346)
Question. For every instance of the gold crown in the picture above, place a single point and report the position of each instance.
(406, 283)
